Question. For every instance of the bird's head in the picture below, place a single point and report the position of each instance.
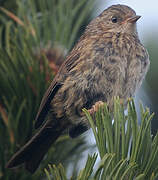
(117, 18)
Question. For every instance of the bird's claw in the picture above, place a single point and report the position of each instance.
(95, 107)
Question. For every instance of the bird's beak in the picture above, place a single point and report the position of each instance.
(133, 19)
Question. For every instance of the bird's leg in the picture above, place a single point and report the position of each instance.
(95, 107)
(81, 127)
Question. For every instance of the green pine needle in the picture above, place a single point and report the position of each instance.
(120, 142)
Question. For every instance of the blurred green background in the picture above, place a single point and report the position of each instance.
(35, 37)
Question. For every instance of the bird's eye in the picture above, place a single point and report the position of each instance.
(114, 19)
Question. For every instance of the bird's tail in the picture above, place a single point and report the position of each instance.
(34, 150)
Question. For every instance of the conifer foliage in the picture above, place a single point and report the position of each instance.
(34, 40)
(126, 149)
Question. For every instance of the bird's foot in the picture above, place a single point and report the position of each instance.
(95, 107)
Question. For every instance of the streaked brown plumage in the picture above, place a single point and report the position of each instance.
(107, 61)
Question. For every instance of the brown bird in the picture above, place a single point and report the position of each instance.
(108, 60)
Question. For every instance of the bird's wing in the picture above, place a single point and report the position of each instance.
(45, 103)
(53, 88)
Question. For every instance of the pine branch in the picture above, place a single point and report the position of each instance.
(32, 41)
(126, 149)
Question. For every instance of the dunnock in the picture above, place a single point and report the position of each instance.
(107, 61)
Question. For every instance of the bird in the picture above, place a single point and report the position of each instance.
(107, 61)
